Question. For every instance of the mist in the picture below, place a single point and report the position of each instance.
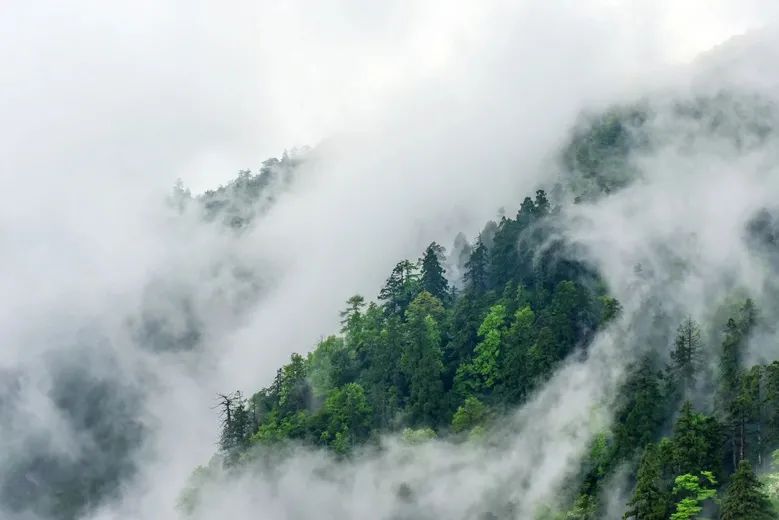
(123, 317)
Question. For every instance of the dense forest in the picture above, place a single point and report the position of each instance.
(455, 342)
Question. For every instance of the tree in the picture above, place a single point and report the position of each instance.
(294, 390)
(330, 365)
(640, 415)
(696, 442)
(236, 424)
(485, 363)
(650, 500)
(351, 315)
(433, 279)
(422, 359)
(687, 353)
(348, 416)
(771, 401)
(745, 498)
(400, 288)
(694, 490)
(513, 358)
(476, 268)
(541, 204)
(471, 413)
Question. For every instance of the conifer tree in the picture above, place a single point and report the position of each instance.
(745, 498)
(476, 268)
(422, 359)
(687, 353)
(433, 279)
(650, 500)
(400, 288)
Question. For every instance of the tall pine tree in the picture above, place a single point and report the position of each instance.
(745, 498)
(433, 279)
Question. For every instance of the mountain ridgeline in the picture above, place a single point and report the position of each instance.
(453, 344)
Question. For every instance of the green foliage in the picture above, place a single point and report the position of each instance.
(771, 481)
(418, 435)
(687, 355)
(433, 279)
(470, 414)
(639, 417)
(347, 415)
(401, 287)
(598, 154)
(745, 498)
(651, 498)
(694, 491)
(422, 360)
(485, 363)
(696, 442)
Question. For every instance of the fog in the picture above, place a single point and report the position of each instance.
(424, 121)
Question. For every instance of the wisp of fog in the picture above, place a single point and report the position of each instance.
(124, 313)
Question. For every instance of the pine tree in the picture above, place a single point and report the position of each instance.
(476, 268)
(401, 287)
(433, 279)
(687, 353)
(236, 425)
(696, 442)
(650, 500)
(745, 498)
(422, 359)
(640, 416)
(541, 204)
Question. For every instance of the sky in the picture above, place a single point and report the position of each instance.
(426, 117)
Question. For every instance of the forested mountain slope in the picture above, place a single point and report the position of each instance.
(436, 357)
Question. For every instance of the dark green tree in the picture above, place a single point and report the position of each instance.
(639, 416)
(697, 443)
(687, 355)
(348, 418)
(236, 425)
(651, 498)
(401, 287)
(433, 279)
(476, 268)
(745, 498)
(422, 359)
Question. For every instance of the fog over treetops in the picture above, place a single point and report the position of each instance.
(335, 260)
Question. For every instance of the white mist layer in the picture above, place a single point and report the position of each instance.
(430, 130)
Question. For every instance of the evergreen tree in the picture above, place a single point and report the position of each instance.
(640, 416)
(433, 279)
(351, 315)
(687, 356)
(476, 268)
(541, 204)
(401, 287)
(650, 499)
(485, 362)
(422, 359)
(696, 442)
(745, 498)
(513, 360)
(348, 416)
(471, 413)
(236, 425)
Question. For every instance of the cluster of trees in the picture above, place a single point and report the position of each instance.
(427, 356)
(240, 201)
(705, 465)
(428, 359)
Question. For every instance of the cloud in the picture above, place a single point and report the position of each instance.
(426, 118)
